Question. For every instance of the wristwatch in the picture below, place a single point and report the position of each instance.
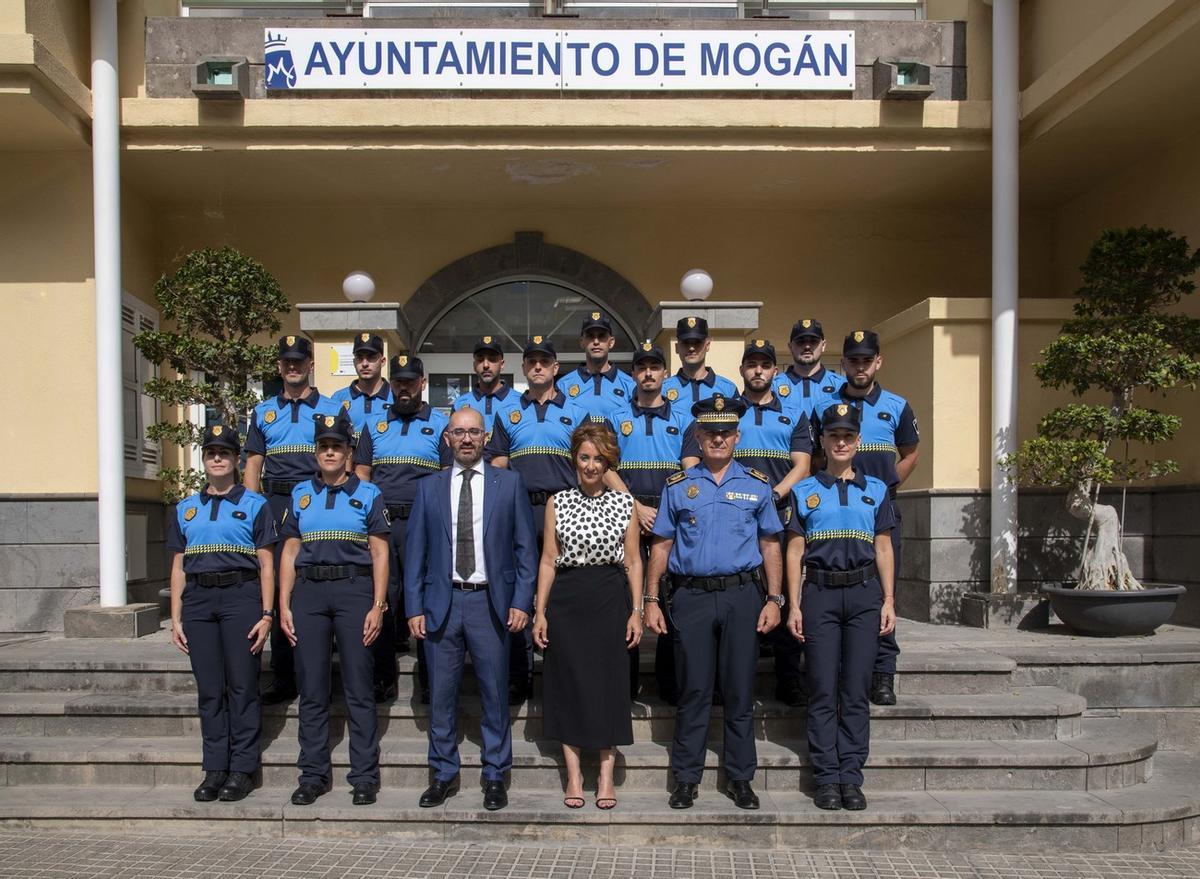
(777, 600)
(270, 614)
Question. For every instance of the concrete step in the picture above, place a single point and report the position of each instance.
(1018, 713)
(1162, 813)
(1109, 754)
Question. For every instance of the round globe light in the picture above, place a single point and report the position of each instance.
(696, 284)
(358, 287)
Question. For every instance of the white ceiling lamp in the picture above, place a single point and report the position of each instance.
(358, 287)
(696, 285)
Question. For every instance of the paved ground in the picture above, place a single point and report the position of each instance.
(26, 855)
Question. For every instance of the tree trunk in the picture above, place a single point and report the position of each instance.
(1104, 564)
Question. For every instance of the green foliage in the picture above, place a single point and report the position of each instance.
(219, 301)
(1122, 340)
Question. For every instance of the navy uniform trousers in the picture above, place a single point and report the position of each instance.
(283, 662)
(715, 633)
(216, 621)
(885, 657)
(841, 638)
(323, 610)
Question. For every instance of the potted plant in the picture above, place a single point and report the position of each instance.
(1125, 338)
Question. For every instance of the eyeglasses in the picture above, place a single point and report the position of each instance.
(460, 432)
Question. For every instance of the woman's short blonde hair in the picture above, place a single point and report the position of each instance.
(600, 436)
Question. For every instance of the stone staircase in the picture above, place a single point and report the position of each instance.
(105, 735)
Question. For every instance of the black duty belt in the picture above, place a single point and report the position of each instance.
(539, 498)
(712, 584)
(279, 486)
(399, 511)
(841, 578)
(648, 500)
(333, 572)
(469, 587)
(221, 578)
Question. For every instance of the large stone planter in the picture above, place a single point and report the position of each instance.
(1108, 613)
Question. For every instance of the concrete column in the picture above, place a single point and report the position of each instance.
(729, 324)
(1005, 177)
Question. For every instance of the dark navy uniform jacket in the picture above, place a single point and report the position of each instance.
(651, 441)
(839, 519)
(716, 527)
(682, 389)
(490, 406)
(333, 522)
(401, 449)
(809, 394)
(887, 423)
(360, 406)
(536, 438)
(221, 533)
(599, 394)
(282, 431)
(770, 433)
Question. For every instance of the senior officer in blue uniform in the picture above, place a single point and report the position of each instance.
(369, 394)
(222, 604)
(598, 384)
(775, 440)
(807, 384)
(279, 455)
(333, 587)
(490, 396)
(841, 551)
(717, 534)
(694, 381)
(397, 449)
(888, 451)
(535, 441)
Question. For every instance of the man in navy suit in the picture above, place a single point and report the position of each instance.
(471, 566)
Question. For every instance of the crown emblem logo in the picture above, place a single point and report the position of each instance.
(858, 335)
(280, 68)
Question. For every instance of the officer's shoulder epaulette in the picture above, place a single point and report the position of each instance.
(762, 477)
(677, 477)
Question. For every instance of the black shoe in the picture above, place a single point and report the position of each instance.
(791, 694)
(384, 692)
(852, 798)
(881, 689)
(517, 694)
(438, 792)
(683, 796)
(306, 794)
(364, 793)
(211, 786)
(742, 794)
(235, 788)
(494, 795)
(279, 691)
(828, 796)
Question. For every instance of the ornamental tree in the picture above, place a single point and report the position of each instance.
(218, 301)
(1124, 339)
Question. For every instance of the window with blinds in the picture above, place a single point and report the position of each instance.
(142, 456)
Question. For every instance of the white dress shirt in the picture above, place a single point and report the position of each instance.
(479, 575)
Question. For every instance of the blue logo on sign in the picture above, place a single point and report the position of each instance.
(281, 70)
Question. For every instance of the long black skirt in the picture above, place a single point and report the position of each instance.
(586, 667)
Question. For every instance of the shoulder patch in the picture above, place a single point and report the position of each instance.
(189, 514)
(813, 501)
(305, 500)
(269, 416)
(574, 391)
(672, 395)
(784, 390)
(759, 475)
(677, 477)
(382, 426)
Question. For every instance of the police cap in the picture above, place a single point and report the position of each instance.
(648, 351)
(406, 366)
(807, 328)
(840, 416)
(539, 345)
(294, 348)
(718, 411)
(759, 348)
(691, 329)
(334, 427)
(861, 343)
(596, 320)
(368, 342)
(221, 436)
(487, 343)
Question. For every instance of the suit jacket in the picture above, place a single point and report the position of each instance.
(510, 550)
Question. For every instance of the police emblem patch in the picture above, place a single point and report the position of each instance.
(190, 514)
(595, 315)
(719, 403)
(813, 501)
(329, 419)
(270, 416)
(672, 395)
(759, 343)
(842, 409)
(858, 335)
(806, 323)
(514, 416)
(364, 337)
(693, 491)
(691, 322)
(574, 391)
(305, 501)
(646, 346)
(537, 340)
(291, 340)
(487, 340)
(784, 390)
(402, 360)
(626, 428)
(218, 430)
(382, 427)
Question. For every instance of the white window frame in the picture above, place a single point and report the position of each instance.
(142, 456)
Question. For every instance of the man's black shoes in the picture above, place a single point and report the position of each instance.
(494, 795)
(683, 796)
(742, 794)
(882, 689)
(211, 786)
(236, 787)
(306, 794)
(828, 796)
(279, 691)
(384, 692)
(364, 793)
(438, 792)
(517, 694)
(852, 798)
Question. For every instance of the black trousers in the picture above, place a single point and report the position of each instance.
(283, 663)
(889, 649)
(395, 618)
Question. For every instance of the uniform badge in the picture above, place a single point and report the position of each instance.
(514, 416)
(291, 340)
(842, 409)
(537, 340)
(784, 390)
(345, 404)
(190, 514)
(329, 420)
(364, 337)
(574, 391)
(595, 315)
(305, 500)
(487, 340)
(693, 490)
(813, 501)
(402, 360)
(719, 403)
(218, 430)
(672, 395)
(858, 335)
(626, 428)
(270, 416)
(691, 321)
(806, 323)
(646, 346)
(382, 427)
(759, 343)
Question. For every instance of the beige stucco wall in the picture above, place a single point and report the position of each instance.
(63, 27)
(1051, 29)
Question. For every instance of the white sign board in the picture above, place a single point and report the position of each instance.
(341, 359)
(559, 60)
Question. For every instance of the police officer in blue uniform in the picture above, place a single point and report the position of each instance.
(807, 384)
(222, 604)
(775, 440)
(888, 451)
(279, 454)
(333, 580)
(490, 396)
(597, 384)
(369, 394)
(399, 447)
(694, 381)
(534, 439)
(717, 536)
(841, 552)
(650, 434)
